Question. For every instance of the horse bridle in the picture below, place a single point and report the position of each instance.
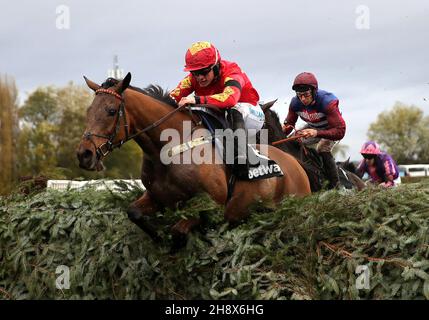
(105, 148)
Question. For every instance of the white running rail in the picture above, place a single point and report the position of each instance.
(63, 185)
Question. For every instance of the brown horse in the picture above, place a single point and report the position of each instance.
(308, 157)
(120, 112)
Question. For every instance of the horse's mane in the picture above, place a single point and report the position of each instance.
(154, 91)
(274, 126)
(276, 117)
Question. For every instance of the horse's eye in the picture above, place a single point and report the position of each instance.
(111, 111)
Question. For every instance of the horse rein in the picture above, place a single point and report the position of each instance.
(105, 148)
(295, 137)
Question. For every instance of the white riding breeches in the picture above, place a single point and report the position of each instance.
(253, 116)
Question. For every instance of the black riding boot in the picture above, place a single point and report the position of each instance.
(241, 164)
(330, 169)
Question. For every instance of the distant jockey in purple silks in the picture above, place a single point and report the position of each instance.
(380, 166)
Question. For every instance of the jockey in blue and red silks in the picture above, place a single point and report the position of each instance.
(380, 166)
(324, 122)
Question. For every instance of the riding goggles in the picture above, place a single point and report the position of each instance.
(202, 72)
(306, 94)
(368, 156)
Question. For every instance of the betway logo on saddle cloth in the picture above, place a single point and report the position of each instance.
(269, 170)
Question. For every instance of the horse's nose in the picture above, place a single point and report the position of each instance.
(85, 157)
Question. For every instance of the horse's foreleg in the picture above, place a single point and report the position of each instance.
(180, 231)
(237, 207)
(140, 211)
(184, 226)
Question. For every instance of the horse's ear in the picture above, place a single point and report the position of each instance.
(347, 161)
(124, 83)
(92, 85)
(268, 105)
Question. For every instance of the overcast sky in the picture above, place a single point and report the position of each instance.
(368, 64)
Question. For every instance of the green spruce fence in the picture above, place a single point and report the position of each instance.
(307, 249)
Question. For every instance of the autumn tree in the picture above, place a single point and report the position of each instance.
(8, 130)
(53, 121)
(403, 132)
(37, 139)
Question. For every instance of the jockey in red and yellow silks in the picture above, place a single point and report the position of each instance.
(229, 86)
(222, 84)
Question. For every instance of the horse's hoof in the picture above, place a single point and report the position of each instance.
(155, 238)
(178, 242)
(143, 222)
